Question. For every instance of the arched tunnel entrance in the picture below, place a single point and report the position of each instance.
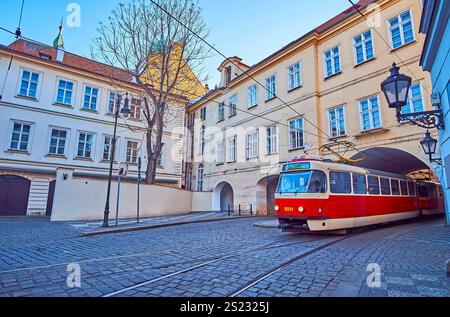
(265, 195)
(223, 197)
(390, 160)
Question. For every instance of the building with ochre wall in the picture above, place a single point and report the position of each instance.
(321, 88)
(436, 60)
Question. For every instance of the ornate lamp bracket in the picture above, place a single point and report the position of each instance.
(425, 119)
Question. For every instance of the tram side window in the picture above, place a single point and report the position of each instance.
(395, 185)
(423, 191)
(385, 186)
(340, 183)
(374, 185)
(359, 184)
(404, 188)
(412, 188)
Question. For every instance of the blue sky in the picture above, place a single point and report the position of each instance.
(251, 29)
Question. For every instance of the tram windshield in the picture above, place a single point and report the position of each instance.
(307, 182)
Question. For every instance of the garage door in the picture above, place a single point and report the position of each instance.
(14, 193)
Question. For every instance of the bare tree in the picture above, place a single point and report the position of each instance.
(163, 56)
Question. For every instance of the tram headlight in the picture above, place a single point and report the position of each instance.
(301, 209)
(277, 208)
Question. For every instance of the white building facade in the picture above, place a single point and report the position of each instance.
(56, 112)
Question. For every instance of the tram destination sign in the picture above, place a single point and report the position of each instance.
(297, 166)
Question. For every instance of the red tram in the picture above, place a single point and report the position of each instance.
(325, 196)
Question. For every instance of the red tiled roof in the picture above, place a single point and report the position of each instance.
(343, 15)
(74, 61)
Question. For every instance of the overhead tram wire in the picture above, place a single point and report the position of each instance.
(17, 34)
(235, 64)
(199, 96)
(218, 102)
(250, 76)
(254, 115)
(390, 47)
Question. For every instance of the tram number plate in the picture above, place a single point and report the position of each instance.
(289, 209)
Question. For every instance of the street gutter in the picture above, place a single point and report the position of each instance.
(157, 226)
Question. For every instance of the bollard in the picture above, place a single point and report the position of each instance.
(229, 211)
(251, 209)
(239, 210)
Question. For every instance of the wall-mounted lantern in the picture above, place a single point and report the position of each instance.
(396, 89)
(429, 146)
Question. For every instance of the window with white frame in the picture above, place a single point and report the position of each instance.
(203, 114)
(200, 175)
(401, 29)
(65, 92)
(160, 161)
(20, 136)
(370, 113)
(85, 145)
(252, 144)
(220, 153)
(90, 98)
(296, 134)
(271, 140)
(332, 59)
(415, 100)
(29, 84)
(336, 121)
(232, 149)
(202, 139)
(191, 119)
(294, 76)
(135, 108)
(107, 148)
(252, 96)
(112, 100)
(191, 143)
(189, 177)
(271, 87)
(131, 152)
(221, 112)
(58, 140)
(232, 109)
(363, 46)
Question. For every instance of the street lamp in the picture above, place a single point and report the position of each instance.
(429, 146)
(125, 112)
(396, 90)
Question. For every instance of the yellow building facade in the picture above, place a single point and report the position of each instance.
(322, 88)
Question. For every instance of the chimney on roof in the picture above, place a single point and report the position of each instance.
(58, 43)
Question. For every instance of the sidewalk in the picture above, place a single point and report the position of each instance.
(91, 228)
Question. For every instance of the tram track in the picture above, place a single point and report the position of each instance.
(237, 254)
(283, 266)
(117, 257)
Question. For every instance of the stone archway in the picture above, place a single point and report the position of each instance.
(223, 197)
(392, 160)
(265, 195)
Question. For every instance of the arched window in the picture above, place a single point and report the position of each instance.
(202, 140)
(200, 172)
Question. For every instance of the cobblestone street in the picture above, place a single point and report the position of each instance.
(232, 258)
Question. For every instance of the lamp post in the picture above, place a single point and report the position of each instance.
(396, 89)
(429, 146)
(125, 111)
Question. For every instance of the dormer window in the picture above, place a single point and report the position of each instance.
(45, 56)
(228, 75)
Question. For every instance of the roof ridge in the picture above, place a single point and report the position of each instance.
(46, 46)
